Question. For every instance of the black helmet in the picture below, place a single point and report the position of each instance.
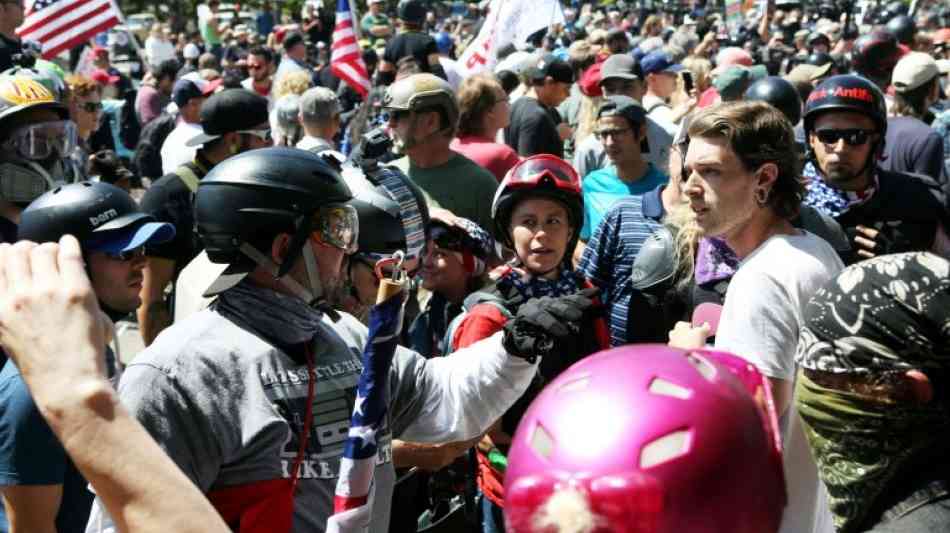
(847, 92)
(903, 28)
(254, 196)
(875, 54)
(819, 59)
(780, 93)
(411, 11)
(99, 215)
(392, 212)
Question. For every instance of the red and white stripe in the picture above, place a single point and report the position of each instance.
(346, 59)
(64, 24)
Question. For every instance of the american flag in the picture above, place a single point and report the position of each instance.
(346, 61)
(353, 501)
(62, 24)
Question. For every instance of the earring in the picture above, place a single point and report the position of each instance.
(762, 196)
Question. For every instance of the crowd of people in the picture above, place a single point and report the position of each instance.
(668, 271)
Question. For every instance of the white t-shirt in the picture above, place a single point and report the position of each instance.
(158, 50)
(174, 152)
(191, 284)
(760, 320)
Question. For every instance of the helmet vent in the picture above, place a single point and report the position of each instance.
(668, 388)
(702, 366)
(576, 384)
(541, 442)
(665, 448)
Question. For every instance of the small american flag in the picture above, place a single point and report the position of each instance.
(62, 24)
(346, 61)
(353, 501)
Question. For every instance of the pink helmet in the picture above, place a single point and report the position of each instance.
(656, 440)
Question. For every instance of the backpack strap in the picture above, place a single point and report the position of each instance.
(477, 297)
(188, 177)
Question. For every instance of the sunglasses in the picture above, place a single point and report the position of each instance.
(395, 115)
(852, 137)
(127, 255)
(91, 107)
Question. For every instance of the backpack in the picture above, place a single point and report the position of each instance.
(148, 156)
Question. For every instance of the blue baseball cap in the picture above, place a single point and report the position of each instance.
(126, 239)
(659, 61)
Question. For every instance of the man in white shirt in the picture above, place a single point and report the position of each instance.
(188, 94)
(320, 117)
(260, 66)
(742, 182)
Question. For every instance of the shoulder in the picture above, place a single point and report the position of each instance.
(164, 188)
(813, 259)
(473, 170)
(598, 177)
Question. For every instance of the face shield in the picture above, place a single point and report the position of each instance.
(32, 159)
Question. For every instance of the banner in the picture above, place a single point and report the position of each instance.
(508, 21)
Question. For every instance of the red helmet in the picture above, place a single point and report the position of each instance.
(539, 175)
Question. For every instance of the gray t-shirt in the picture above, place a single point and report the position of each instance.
(228, 407)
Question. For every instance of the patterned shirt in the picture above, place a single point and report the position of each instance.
(615, 243)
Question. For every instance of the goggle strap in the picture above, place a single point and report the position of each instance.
(265, 262)
(410, 213)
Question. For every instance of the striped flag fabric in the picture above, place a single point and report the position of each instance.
(353, 500)
(59, 25)
(346, 60)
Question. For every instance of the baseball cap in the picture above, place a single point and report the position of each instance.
(100, 50)
(733, 81)
(103, 77)
(589, 84)
(914, 70)
(659, 61)
(228, 111)
(315, 96)
(149, 233)
(806, 73)
(292, 39)
(623, 106)
(620, 66)
(550, 65)
(192, 86)
(733, 55)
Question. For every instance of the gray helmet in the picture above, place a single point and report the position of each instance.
(423, 92)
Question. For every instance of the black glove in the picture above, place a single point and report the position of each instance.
(541, 324)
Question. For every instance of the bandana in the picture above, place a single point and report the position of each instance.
(829, 200)
(281, 319)
(715, 261)
(887, 314)
(513, 281)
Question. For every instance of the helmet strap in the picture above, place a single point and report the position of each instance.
(318, 302)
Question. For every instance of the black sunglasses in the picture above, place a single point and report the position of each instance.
(852, 137)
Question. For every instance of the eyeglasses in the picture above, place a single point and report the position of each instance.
(126, 255)
(263, 135)
(91, 107)
(37, 142)
(852, 137)
(603, 134)
(617, 87)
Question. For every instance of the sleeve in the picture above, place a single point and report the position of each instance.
(481, 322)
(30, 453)
(365, 23)
(758, 323)
(597, 262)
(457, 397)
(929, 160)
(180, 424)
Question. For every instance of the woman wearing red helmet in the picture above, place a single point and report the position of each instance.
(537, 212)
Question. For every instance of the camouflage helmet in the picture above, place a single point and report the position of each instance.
(423, 92)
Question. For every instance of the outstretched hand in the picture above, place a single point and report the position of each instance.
(541, 322)
(50, 323)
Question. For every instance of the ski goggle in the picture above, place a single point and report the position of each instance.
(37, 142)
(337, 225)
(533, 170)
